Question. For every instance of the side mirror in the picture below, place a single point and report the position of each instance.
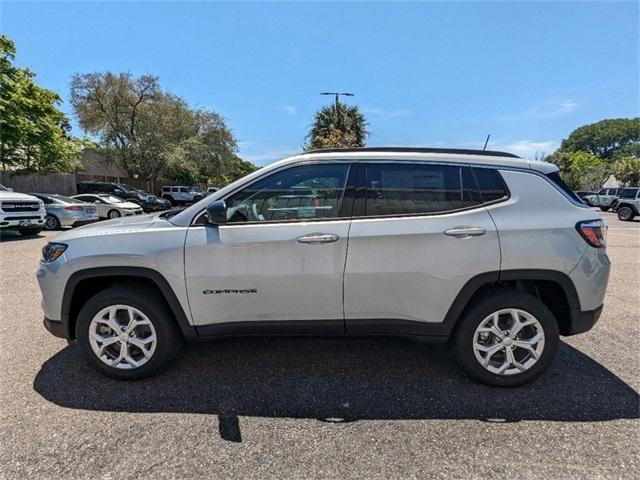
(217, 213)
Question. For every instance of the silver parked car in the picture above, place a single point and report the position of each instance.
(110, 206)
(486, 249)
(66, 211)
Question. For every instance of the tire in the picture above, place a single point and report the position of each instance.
(172, 202)
(465, 338)
(168, 338)
(51, 222)
(626, 214)
(604, 209)
(113, 214)
(29, 231)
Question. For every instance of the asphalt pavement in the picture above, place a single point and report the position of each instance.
(318, 407)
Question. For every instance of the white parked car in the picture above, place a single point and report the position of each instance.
(486, 249)
(109, 206)
(21, 212)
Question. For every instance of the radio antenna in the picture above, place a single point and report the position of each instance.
(486, 141)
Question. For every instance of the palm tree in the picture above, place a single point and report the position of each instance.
(337, 125)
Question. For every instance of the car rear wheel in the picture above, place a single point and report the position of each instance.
(604, 209)
(114, 214)
(507, 339)
(51, 222)
(626, 214)
(170, 199)
(127, 332)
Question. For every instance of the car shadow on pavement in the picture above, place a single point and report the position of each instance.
(12, 236)
(338, 380)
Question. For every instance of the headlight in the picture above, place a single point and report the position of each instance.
(51, 251)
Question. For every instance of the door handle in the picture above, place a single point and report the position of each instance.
(465, 232)
(318, 238)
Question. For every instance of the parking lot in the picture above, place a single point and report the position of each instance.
(318, 407)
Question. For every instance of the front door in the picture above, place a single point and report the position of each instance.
(418, 234)
(277, 265)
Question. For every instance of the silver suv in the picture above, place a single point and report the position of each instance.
(484, 249)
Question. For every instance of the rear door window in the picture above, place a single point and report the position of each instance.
(413, 189)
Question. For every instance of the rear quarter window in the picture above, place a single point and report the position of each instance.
(491, 185)
(558, 182)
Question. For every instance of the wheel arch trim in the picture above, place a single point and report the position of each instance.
(148, 274)
(488, 279)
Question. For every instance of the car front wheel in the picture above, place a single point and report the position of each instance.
(127, 332)
(507, 339)
(114, 214)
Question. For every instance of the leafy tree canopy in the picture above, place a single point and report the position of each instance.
(152, 133)
(627, 170)
(606, 139)
(337, 125)
(34, 133)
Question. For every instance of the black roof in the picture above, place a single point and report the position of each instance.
(458, 151)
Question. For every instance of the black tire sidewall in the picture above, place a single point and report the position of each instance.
(168, 335)
(118, 214)
(604, 209)
(463, 339)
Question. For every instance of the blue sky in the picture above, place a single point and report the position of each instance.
(431, 74)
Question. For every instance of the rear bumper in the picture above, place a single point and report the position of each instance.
(582, 321)
(56, 328)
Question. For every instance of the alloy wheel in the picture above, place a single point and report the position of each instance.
(50, 222)
(508, 342)
(122, 337)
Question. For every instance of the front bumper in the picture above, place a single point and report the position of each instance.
(56, 328)
(14, 221)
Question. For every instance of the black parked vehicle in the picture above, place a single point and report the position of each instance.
(148, 202)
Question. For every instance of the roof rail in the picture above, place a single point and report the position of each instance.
(458, 151)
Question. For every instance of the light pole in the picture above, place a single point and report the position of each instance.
(337, 94)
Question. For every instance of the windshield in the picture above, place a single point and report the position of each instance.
(128, 188)
(111, 198)
(194, 189)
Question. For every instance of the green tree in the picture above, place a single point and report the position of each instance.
(34, 133)
(337, 125)
(236, 168)
(627, 170)
(151, 133)
(581, 170)
(605, 139)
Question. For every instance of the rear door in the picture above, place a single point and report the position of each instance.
(418, 235)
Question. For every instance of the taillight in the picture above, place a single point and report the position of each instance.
(74, 207)
(593, 231)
